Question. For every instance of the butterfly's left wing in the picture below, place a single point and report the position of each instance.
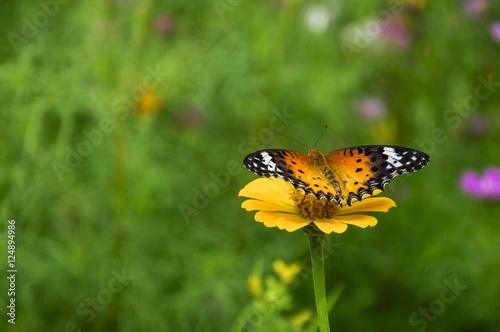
(283, 164)
(362, 170)
(294, 167)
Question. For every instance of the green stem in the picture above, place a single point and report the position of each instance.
(318, 271)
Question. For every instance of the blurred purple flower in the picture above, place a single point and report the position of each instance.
(485, 187)
(164, 24)
(396, 31)
(495, 30)
(477, 125)
(475, 8)
(371, 108)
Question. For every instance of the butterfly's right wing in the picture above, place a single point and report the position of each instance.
(363, 170)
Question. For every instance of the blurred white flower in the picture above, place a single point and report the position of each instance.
(362, 34)
(318, 18)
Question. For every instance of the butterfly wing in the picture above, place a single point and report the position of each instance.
(363, 170)
(283, 164)
(294, 167)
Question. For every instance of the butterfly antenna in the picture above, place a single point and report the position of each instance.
(320, 137)
(291, 139)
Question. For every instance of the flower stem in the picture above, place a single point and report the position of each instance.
(318, 270)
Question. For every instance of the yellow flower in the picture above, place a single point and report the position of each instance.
(149, 104)
(281, 205)
(286, 272)
(255, 285)
(301, 318)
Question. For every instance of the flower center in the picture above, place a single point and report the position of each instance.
(311, 207)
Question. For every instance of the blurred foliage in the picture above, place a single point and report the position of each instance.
(123, 129)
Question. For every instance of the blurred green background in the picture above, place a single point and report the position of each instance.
(124, 125)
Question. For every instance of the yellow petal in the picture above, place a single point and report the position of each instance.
(269, 190)
(253, 204)
(291, 222)
(375, 204)
(360, 220)
(267, 218)
(330, 225)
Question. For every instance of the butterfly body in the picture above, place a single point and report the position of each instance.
(322, 168)
(344, 175)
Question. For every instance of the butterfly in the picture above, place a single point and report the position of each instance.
(345, 175)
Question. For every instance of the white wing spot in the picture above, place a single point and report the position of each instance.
(266, 158)
(392, 154)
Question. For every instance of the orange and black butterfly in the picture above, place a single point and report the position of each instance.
(343, 175)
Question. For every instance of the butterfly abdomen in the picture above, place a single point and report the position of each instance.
(330, 176)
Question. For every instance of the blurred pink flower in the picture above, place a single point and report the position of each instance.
(486, 187)
(495, 30)
(190, 116)
(371, 108)
(477, 125)
(395, 31)
(475, 8)
(164, 24)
